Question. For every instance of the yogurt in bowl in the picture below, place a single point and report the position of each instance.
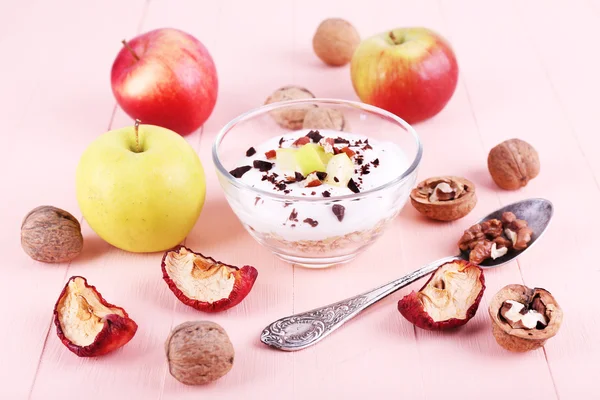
(319, 197)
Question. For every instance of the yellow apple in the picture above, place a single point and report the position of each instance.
(141, 188)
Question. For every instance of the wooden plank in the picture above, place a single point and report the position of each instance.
(55, 99)
(246, 59)
(87, 98)
(513, 97)
(571, 85)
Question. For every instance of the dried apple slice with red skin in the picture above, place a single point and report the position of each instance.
(87, 324)
(206, 284)
(435, 308)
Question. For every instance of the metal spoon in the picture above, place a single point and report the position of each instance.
(299, 331)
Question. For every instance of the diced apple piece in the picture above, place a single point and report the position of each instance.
(339, 170)
(286, 159)
(325, 157)
(309, 159)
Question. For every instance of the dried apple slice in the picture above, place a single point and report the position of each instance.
(450, 297)
(87, 324)
(203, 283)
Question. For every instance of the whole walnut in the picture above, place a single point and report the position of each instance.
(324, 118)
(291, 117)
(199, 352)
(335, 41)
(51, 235)
(513, 163)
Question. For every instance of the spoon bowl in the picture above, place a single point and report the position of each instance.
(302, 330)
(538, 214)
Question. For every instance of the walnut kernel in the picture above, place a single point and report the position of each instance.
(291, 117)
(51, 235)
(335, 41)
(485, 240)
(513, 163)
(444, 198)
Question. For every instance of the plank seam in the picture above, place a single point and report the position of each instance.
(551, 374)
(37, 369)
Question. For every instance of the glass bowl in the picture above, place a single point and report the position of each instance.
(268, 215)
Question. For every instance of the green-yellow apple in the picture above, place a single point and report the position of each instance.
(411, 72)
(141, 188)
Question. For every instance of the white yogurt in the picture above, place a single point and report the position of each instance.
(382, 161)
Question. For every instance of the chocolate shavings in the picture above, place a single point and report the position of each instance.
(299, 177)
(375, 162)
(339, 211)
(250, 152)
(294, 215)
(321, 175)
(263, 166)
(240, 171)
(315, 136)
(326, 194)
(341, 140)
(352, 186)
(280, 142)
(311, 222)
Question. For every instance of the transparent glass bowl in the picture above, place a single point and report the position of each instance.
(367, 214)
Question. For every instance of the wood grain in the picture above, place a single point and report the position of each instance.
(528, 70)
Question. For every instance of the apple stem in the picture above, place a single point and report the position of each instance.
(128, 47)
(395, 39)
(137, 136)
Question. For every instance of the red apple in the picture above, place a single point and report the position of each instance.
(411, 72)
(166, 77)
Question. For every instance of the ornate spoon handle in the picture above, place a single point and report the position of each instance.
(299, 331)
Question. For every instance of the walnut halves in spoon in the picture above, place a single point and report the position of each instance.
(524, 319)
(444, 198)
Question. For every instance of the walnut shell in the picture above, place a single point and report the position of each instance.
(324, 118)
(51, 235)
(521, 340)
(291, 117)
(455, 205)
(335, 41)
(513, 163)
(199, 352)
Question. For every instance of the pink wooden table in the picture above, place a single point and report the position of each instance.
(528, 69)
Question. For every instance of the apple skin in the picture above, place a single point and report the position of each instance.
(174, 83)
(144, 201)
(411, 72)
